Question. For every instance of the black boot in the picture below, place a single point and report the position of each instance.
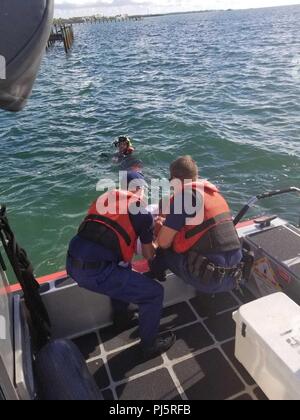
(161, 344)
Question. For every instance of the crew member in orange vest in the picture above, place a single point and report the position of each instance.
(201, 248)
(100, 255)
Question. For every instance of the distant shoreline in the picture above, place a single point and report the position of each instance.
(83, 19)
(181, 13)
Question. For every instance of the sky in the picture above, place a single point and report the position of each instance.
(68, 8)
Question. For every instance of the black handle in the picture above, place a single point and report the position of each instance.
(276, 192)
(253, 200)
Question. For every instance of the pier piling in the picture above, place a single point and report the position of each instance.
(62, 33)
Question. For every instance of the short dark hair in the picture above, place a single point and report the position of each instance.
(184, 168)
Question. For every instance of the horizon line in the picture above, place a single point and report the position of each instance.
(183, 12)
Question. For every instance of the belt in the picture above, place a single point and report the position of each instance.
(220, 273)
(87, 265)
(226, 271)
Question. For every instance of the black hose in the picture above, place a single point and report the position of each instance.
(24, 273)
(241, 214)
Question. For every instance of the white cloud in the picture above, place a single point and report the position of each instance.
(85, 7)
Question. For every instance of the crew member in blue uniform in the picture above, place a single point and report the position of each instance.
(206, 253)
(99, 259)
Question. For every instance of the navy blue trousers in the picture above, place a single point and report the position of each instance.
(125, 286)
(177, 263)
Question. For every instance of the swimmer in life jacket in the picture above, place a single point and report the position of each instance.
(126, 157)
(125, 147)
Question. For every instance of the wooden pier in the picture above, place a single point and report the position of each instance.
(110, 19)
(62, 29)
(97, 19)
(62, 33)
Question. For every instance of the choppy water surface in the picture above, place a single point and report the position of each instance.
(222, 86)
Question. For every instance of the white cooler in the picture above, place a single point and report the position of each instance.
(268, 344)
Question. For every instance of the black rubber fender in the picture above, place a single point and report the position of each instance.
(61, 374)
(24, 32)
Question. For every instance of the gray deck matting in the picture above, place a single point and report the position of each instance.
(200, 366)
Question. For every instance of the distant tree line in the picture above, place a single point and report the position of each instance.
(93, 19)
(101, 18)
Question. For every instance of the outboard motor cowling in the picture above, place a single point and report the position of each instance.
(24, 31)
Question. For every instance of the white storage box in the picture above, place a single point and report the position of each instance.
(268, 344)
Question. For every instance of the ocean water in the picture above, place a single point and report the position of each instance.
(221, 86)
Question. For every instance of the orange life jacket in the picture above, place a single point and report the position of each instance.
(112, 211)
(129, 151)
(215, 212)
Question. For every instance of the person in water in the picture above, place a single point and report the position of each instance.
(100, 255)
(205, 253)
(126, 157)
(125, 147)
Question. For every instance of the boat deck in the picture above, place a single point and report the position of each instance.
(200, 366)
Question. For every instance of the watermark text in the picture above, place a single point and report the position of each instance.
(164, 196)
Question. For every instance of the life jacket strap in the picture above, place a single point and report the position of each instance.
(207, 224)
(108, 222)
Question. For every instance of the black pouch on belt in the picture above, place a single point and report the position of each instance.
(200, 267)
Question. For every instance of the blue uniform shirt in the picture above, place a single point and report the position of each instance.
(177, 221)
